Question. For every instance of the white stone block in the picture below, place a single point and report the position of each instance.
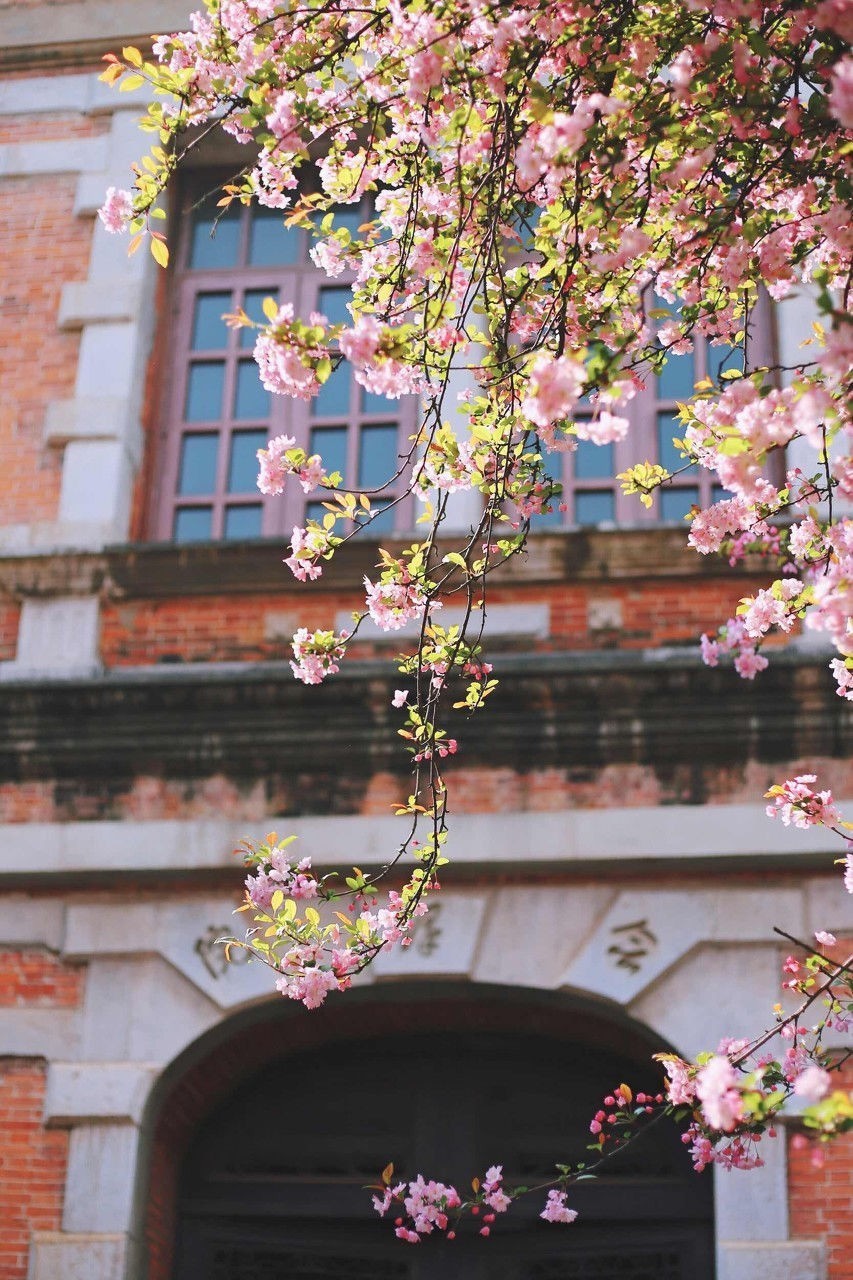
(530, 936)
(57, 1256)
(57, 635)
(444, 942)
(101, 1175)
(39, 1033)
(640, 937)
(784, 1260)
(35, 95)
(716, 991)
(97, 1091)
(77, 155)
(98, 302)
(750, 915)
(96, 486)
(140, 1010)
(31, 922)
(828, 907)
(753, 1205)
(86, 418)
(106, 363)
(185, 934)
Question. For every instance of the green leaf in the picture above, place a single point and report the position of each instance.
(159, 251)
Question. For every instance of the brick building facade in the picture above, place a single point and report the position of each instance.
(609, 801)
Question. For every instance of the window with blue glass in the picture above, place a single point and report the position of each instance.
(219, 414)
(592, 494)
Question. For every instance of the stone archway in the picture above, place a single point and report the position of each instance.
(264, 1135)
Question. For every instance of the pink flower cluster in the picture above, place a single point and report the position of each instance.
(733, 638)
(555, 384)
(798, 805)
(286, 366)
(117, 210)
(717, 1088)
(392, 603)
(317, 654)
(275, 871)
(555, 1208)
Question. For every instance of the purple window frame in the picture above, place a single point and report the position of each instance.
(300, 283)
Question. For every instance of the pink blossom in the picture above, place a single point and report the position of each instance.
(716, 1088)
(797, 804)
(400, 698)
(117, 210)
(555, 386)
(555, 1208)
(274, 467)
(841, 95)
(813, 1084)
(825, 939)
(848, 873)
(748, 663)
(680, 1087)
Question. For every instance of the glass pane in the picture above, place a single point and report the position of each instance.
(669, 428)
(251, 399)
(374, 404)
(215, 239)
(377, 455)
(271, 244)
(197, 472)
(677, 378)
(334, 396)
(314, 511)
(192, 524)
(595, 507)
(675, 503)
(243, 463)
(331, 444)
(253, 305)
(719, 493)
(204, 392)
(209, 331)
(593, 461)
(243, 522)
(333, 304)
(721, 359)
(383, 522)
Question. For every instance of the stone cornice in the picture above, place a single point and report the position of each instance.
(166, 570)
(78, 34)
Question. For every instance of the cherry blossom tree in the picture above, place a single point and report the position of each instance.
(563, 197)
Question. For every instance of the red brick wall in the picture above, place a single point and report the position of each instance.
(43, 246)
(10, 616)
(252, 627)
(32, 1164)
(820, 1188)
(36, 978)
(32, 1159)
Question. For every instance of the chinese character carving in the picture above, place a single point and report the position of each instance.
(428, 933)
(211, 951)
(633, 943)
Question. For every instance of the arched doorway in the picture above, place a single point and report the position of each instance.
(270, 1185)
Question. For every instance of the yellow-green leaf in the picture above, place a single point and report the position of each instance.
(160, 252)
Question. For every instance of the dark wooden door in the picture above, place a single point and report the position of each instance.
(272, 1188)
